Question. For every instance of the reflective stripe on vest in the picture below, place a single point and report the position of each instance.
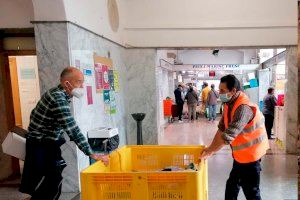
(249, 144)
(255, 126)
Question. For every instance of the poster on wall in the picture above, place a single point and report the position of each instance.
(98, 77)
(107, 81)
(89, 93)
(107, 108)
(27, 73)
(106, 85)
(113, 105)
(111, 79)
(77, 63)
(106, 96)
(116, 81)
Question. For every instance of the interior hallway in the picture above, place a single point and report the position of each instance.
(279, 171)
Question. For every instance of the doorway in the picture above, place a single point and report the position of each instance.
(25, 87)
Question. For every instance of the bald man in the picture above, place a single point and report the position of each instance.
(48, 121)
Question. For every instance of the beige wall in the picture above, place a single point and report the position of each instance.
(16, 13)
(169, 23)
(202, 23)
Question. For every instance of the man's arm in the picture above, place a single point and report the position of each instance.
(243, 115)
(274, 101)
(224, 136)
(62, 113)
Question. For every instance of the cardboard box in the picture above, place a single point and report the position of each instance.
(14, 145)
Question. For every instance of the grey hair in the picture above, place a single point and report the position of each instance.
(67, 72)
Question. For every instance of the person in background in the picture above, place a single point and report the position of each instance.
(204, 96)
(179, 99)
(243, 129)
(49, 120)
(269, 104)
(192, 101)
(212, 98)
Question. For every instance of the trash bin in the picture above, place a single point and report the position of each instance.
(103, 140)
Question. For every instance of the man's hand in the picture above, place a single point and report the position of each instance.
(103, 158)
(205, 154)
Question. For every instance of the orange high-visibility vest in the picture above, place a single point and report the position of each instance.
(252, 143)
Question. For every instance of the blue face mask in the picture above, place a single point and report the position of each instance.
(225, 98)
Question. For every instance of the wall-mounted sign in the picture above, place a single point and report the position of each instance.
(87, 72)
(28, 73)
(89, 93)
(98, 77)
(111, 79)
(221, 66)
(215, 67)
(106, 96)
(106, 85)
(116, 81)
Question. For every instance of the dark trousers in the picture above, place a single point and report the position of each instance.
(180, 108)
(269, 120)
(43, 167)
(246, 176)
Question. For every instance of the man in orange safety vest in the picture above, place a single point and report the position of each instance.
(241, 127)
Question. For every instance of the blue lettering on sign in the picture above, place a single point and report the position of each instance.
(87, 72)
(226, 66)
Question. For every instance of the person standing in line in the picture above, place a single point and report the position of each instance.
(179, 99)
(49, 120)
(212, 98)
(241, 127)
(269, 104)
(204, 97)
(192, 101)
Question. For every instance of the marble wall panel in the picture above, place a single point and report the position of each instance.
(141, 93)
(292, 100)
(53, 56)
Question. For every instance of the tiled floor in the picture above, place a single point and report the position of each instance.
(9, 193)
(279, 175)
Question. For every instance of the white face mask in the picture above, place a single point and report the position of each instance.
(77, 92)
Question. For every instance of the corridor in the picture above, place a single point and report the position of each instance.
(279, 171)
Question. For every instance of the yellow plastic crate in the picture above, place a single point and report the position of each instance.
(133, 175)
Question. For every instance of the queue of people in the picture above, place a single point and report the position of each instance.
(189, 93)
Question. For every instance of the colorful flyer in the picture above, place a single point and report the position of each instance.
(116, 81)
(111, 79)
(107, 109)
(106, 96)
(87, 72)
(89, 93)
(113, 105)
(98, 77)
(105, 77)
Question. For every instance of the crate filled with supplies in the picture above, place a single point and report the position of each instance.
(148, 173)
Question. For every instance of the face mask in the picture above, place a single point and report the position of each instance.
(77, 92)
(225, 98)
